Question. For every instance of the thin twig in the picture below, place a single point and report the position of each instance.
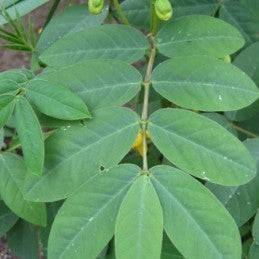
(246, 132)
(146, 84)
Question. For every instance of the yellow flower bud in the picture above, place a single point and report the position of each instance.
(138, 144)
(163, 9)
(95, 6)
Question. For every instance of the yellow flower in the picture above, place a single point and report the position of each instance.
(138, 144)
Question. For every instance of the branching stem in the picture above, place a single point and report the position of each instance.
(146, 84)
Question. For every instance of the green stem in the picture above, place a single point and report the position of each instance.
(120, 12)
(244, 131)
(154, 19)
(144, 116)
(51, 12)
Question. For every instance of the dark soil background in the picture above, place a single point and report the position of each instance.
(17, 59)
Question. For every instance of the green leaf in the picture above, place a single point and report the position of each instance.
(198, 225)
(247, 61)
(7, 3)
(138, 12)
(255, 230)
(139, 225)
(169, 251)
(12, 174)
(7, 219)
(115, 84)
(2, 137)
(87, 218)
(6, 108)
(22, 7)
(241, 201)
(23, 240)
(204, 83)
(11, 80)
(73, 19)
(52, 210)
(106, 42)
(30, 135)
(201, 147)
(75, 154)
(56, 100)
(221, 120)
(254, 249)
(198, 35)
(244, 15)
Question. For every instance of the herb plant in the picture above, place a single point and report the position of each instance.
(134, 133)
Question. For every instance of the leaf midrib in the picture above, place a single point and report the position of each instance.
(203, 38)
(203, 85)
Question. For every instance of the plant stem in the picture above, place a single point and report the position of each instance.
(154, 19)
(120, 12)
(146, 84)
(51, 12)
(246, 132)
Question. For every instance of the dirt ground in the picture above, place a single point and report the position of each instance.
(14, 59)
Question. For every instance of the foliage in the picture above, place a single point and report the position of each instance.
(135, 132)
